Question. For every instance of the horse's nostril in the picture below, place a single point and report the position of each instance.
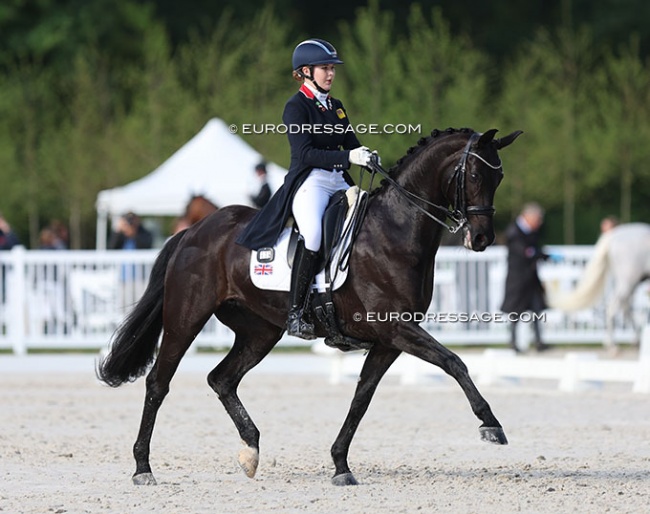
(480, 241)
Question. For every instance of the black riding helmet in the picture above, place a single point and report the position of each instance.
(313, 52)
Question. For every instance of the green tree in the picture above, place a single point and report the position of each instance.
(620, 124)
(368, 82)
(445, 76)
(28, 114)
(549, 82)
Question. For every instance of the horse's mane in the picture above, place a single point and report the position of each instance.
(417, 149)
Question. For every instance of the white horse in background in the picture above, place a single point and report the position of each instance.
(624, 252)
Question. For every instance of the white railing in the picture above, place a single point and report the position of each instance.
(75, 299)
(575, 371)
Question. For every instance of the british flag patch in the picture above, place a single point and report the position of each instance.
(263, 269)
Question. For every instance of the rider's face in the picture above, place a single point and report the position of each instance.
(324, 75)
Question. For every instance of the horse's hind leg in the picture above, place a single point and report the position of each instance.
(377, 362)
(178, 334)
(254, 339)
(172, 349)
(619, 301)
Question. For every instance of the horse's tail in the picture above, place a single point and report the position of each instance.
(134, 342)
(591, 284)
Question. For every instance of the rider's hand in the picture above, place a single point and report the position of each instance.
(360, 156)
(376, 154)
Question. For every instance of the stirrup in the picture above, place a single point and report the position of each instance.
(298, 327)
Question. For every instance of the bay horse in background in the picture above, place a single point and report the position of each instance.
(622, 254)
(196, 209)
(202, 272)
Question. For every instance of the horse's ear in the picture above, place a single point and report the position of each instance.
(486, 137)
(505, 141)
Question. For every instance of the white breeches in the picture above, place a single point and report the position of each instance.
(310, 201)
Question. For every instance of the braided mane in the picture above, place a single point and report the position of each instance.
(417, 148)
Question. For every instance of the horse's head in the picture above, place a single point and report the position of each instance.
(472, 185)
(198, 208)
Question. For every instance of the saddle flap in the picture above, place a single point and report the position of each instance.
(332, 228)
(333, 221)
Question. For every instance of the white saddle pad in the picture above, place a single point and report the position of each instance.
(270, 270)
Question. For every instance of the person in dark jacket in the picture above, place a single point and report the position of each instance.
(264, 194)
(8, 239)
(524, 291)
(130, 234)
(322, 149)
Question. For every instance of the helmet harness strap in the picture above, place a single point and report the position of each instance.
(311, 77)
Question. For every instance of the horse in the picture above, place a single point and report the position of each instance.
(202, 272)
(198, 208)
(622, 253)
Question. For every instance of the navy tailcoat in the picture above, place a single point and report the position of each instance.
(319, 138)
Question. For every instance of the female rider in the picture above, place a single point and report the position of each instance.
(323, 147)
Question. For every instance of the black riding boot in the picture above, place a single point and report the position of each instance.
(302, 276)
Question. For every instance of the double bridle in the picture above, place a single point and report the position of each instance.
(459, 214)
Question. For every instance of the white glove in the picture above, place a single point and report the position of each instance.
(376, 154)
(360, 156)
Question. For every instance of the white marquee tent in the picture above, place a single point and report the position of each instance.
(214, 163)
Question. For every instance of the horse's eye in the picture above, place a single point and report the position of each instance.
(473, 176)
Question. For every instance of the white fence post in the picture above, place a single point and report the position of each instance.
(16, 281)
(642, 382)
(571, 380)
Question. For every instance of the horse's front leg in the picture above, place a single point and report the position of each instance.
(414, 340)
(377, 362)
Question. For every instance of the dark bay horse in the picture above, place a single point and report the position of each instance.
(202, 272)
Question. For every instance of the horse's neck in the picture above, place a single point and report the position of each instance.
(414, 231)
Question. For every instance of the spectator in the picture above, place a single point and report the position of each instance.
(48, 240)
(608, 223)
(61, 232)
(130, 234)
(524, 291)
(264, 194)
(8, 239)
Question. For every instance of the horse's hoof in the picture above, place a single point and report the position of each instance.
(144, 479)
(344, 479)
(494, 435)
(249, 458)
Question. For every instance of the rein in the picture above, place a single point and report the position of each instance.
(460, 212)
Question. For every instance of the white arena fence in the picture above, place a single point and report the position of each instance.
(75, 299)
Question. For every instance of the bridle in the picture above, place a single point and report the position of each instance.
(461, 210)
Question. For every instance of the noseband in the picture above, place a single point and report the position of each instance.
(459, 214)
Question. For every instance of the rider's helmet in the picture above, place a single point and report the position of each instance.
(314, 52)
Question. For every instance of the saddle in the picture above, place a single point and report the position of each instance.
(271, 270)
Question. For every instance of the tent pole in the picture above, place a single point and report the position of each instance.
(100, 239)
